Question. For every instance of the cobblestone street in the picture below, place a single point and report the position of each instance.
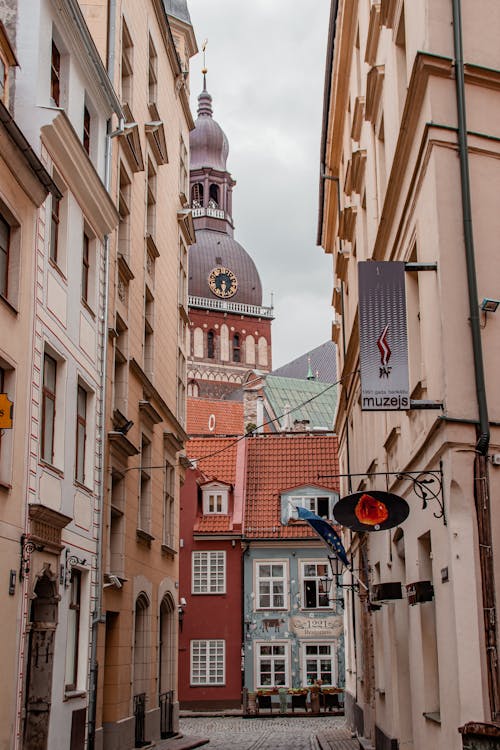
(278, 733)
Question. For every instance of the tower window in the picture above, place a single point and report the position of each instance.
(236, 348)
(210, 345)
(214, 196)
(197, 195)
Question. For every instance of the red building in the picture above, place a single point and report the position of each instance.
(211, 575)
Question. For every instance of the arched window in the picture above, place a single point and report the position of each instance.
(198, 342)
(141, 643)
(214, 196)
(193, 389)
(197, 195)
(236, 348)
(224, 343)
(250, 350)
(211, 345)
(262, 351)
(167, 652)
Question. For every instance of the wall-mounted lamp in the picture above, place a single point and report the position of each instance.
(69, 562)
(489, 305)
(180, 611)
(27, 547)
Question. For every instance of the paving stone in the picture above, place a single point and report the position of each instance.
(275, 731)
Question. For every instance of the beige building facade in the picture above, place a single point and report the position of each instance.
(409, 168)
(147, 51)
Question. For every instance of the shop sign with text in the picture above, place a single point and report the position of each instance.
(383, 338)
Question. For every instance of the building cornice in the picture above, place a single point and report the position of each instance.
(22, 160)
(151, 393)
(100, 86)
(66, 148)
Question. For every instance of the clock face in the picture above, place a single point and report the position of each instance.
(222, 282)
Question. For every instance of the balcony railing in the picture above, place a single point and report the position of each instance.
(214, 213)
(240, 308)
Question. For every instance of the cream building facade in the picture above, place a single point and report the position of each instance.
(62, 99)
(25, 185)
(409, 169)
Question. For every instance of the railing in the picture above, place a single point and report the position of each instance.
(215, 213)
(140, 720)
(241, 308)
(166, 714)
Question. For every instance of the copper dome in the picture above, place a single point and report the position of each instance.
(208, 143)
(215, 250)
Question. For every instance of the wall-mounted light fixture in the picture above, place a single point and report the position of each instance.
(27, 547)
(180, 611)
(490, 305)
(65, 571)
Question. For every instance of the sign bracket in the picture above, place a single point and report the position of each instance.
(427, 485)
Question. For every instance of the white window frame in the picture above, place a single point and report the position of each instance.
(213, 579)
(317, 577)
(214, 672)
(209, 495)
(259, 657)
(332, 657)
(84, 615)
(168, 535)
(59, 425)
(259, 579)
(308, 500)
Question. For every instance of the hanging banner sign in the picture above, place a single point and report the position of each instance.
(383, 338)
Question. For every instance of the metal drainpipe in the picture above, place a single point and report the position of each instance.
(484, 429)
(97, 616)
(481, 478)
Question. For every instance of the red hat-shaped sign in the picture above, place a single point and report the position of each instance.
(371, 511)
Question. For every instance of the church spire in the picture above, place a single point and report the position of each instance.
(204, 99)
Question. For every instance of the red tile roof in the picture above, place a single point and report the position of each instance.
(213, 524)
(277, 463)
(215, 457)
(225, 417)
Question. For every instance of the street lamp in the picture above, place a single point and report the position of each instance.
(327, 580)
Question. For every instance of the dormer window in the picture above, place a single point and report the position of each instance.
(315, 499)
(215, 498)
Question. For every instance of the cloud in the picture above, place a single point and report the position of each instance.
(266, 62)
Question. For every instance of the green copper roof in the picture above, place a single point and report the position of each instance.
(284, 394)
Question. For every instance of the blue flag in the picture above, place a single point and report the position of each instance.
(326, 532)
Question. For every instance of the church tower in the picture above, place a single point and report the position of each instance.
(230, 330)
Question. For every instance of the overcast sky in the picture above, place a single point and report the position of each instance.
(266, 65)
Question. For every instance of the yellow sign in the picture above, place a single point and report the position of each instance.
(6, 409)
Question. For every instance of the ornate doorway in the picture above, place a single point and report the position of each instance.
(40, 661)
